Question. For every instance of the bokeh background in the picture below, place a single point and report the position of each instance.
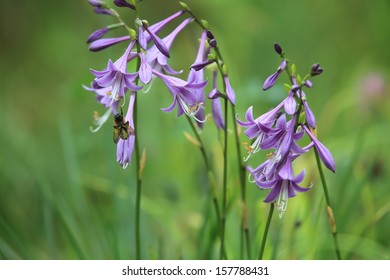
(63, 196)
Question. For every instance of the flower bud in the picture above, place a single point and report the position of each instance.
(123, 3)
(185, 6)
(278, 49)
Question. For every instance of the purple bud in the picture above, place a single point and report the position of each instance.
(97, 3)
(210, 35)
(270, 81)
(278, 49)
(323, 152)
(200, 66)
(123, 3)
(229, 91)
(101, 44)
(316, 70)
(158, 42)
(308, 84)
(97, 34)
(213, 43)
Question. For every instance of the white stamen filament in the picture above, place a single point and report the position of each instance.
(100, 121)
(191, 110)
(281, 204)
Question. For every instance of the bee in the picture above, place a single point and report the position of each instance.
(122, 129)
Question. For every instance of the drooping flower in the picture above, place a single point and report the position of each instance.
(323, 152)
(124, 3)
(144, 37)
(124, 148)
(116, 76)
(198, 77)
(283, 186)
(157, 60)
(271, 80)
(216, 108)
(97, 34)
(102, 44)
(258, 128)
(100, 7)
(229, 90)
(185, 94)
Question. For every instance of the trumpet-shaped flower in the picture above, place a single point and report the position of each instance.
(124, 148)
(283, 186)
(116, 76)
(156, 59)
(185, 94)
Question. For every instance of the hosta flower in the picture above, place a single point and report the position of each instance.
(185, 94)
(124, 148)
(323, 152)
(198, 77)
(271, 80)
(216, 108)
(116, 76)
(144, 37)
(157, 60)
(100, 7)
(102, 44)
(283, 186)
(123, 3)
(258, 128)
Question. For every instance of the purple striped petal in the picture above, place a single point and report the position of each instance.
(102, 44)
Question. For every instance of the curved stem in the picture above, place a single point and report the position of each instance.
(329, 207)
(271, 210)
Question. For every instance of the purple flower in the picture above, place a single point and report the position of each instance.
(310, 118)
(157, 41)
(229, 90)
(216, 108)
(290, 105)
(271, 80)
(198, 77)
(100, 7)
(323, 152)
(316, 70)
(102, 44)
(145, 71)
(97, 34)
(116, 76)
(185, 95)
(124, 148)
(144, 37)
(283, 186)
(259, 128)
(123, 3)
(156, 59)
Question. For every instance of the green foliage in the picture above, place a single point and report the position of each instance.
(62, 195)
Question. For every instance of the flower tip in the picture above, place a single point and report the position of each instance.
(278, 49)
(124, 3)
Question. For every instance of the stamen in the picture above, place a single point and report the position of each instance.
(99, 121)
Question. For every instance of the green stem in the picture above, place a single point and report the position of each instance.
(224, 184)
(329, 207)
(242, 171)
(138, 163)
(271, 210)
(207, 165)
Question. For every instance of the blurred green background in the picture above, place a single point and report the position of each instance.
(62, 195)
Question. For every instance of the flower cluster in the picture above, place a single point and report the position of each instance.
(151, 52)
(279, 130)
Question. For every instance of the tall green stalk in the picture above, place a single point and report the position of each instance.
(329, 207)
(265, 234)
